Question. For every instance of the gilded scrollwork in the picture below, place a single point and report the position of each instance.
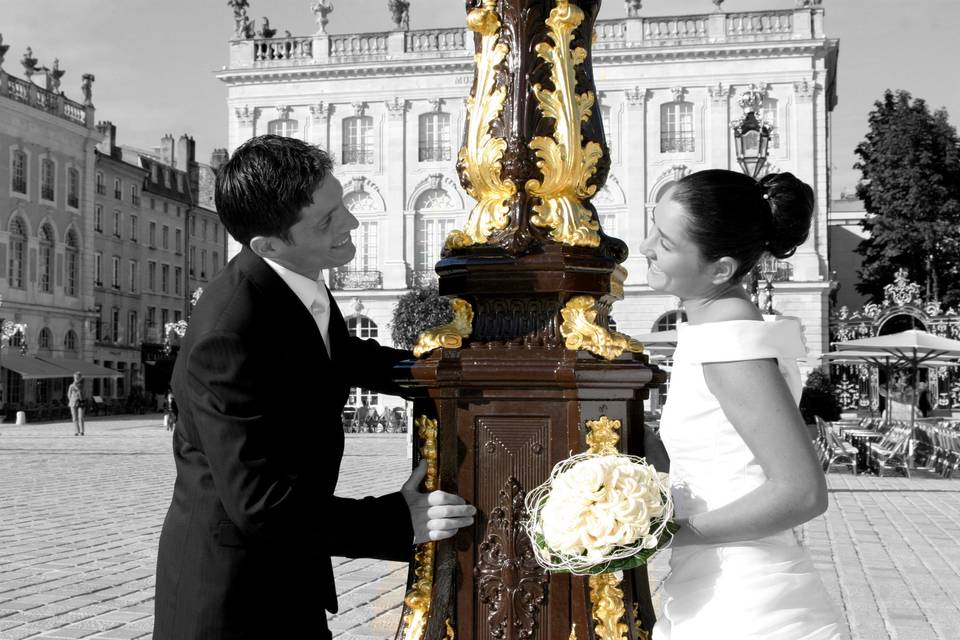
(567, 163)
(581, 331)
(450, 335)
(608, 609)
(602, 436)
(417, 601)
(479, 160)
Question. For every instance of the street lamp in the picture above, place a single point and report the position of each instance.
(769, 267)
(751, 135)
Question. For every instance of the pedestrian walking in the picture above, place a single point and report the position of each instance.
(171, 413)
(923, 399)
(76, 402)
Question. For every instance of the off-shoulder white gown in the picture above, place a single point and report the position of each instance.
(764, 589)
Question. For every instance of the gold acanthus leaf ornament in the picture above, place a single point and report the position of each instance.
(565, 161)
(581, 331)
(602, 436)
(417, 600)
(480, 157)
(607, 599)
(450, 335)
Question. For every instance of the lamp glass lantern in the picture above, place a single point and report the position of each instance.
(751, 138)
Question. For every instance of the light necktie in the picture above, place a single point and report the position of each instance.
(321, 314)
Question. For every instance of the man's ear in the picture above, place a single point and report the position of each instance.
(263, 246)
(723, 270)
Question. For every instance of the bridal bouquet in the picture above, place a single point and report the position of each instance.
(599, 513)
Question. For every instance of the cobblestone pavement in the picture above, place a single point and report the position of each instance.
(80, 517)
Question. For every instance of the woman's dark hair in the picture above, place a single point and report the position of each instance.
(731, 214)
(268, 180)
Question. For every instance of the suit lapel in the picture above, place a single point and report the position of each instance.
(284, 305)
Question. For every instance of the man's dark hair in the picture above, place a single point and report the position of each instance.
(265, 184)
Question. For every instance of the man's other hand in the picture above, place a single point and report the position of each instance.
(436, 515)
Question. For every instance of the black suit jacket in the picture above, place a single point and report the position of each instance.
(245, 547)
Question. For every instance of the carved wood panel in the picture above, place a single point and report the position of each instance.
(513, 452)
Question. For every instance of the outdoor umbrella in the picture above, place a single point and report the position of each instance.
(908, 349)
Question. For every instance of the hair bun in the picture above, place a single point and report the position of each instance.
(791, 206)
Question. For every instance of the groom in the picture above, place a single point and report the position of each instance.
(261, 380)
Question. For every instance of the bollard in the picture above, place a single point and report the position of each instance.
(21, 417)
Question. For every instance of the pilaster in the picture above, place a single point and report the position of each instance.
(319, 125)
(810, 137)
(394, 267)
(719, 125)
(633, 156)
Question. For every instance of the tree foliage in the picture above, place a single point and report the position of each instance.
(416, 311)
(910, 187)
(819, 398)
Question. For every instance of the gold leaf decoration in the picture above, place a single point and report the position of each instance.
(565, 161)
(573, 632)
(602, 437)
(480, 157)
(450, 335)
(581, 331)
(607, 599)
(417, 600)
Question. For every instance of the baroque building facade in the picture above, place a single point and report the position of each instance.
(154, 246)
(390, 108)
(47, 143)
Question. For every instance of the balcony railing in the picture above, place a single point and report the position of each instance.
(670, 143)
(424, 278)
(624, 33)
(30, 94)
(349, 280)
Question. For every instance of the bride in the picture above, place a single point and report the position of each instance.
(742, 467)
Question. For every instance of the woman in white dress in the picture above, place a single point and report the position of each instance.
(742, 467)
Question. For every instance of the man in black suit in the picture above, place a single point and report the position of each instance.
(261, 379)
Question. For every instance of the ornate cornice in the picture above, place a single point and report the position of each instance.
(463, 64)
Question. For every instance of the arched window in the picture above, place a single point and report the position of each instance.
(430, 231)
(46, 258)
(18, 244)
(70, 341)
(670, 320)
(283, 127)
(362, 327)
(73, 263)
(434, 137)
(358, 140)
(45, 339)
(18, 173)
(676, 127)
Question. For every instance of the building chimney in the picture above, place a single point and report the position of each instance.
(218, 158)
(108, 145)
(186, 153)
(166, 150)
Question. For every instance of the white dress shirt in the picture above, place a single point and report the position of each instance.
(312, 293)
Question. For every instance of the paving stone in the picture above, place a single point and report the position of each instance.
(80, 520)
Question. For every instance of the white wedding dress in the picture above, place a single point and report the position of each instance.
(763, 589)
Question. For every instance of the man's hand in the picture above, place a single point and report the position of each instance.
(436, 515)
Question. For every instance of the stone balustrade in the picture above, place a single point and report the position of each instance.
(54, 103)
(344, 280)
(623, 33)
(358, 45)
(436, 40)
(286, 49)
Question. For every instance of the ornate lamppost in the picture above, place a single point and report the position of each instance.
(751, 139)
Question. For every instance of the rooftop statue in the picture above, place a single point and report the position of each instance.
(53, 76)
(29, 63)
(265, 30)
(401, 13)
(321, 9)
(633, 8)
(86, 87)
(242, 25)
(3, 49)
